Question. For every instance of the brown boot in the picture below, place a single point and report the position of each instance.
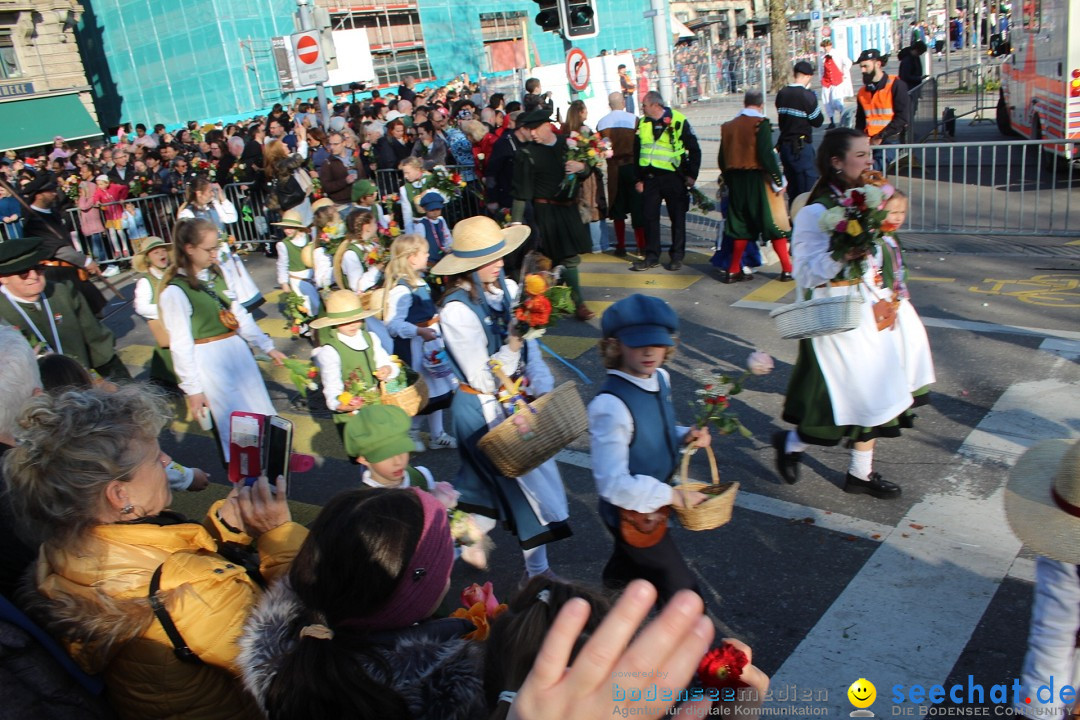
(584, 313)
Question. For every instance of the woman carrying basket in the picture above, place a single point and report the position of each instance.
(476, 327)
(850, 386)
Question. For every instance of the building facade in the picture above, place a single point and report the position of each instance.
(44, 90)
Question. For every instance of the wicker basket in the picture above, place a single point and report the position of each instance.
(533, 435)
(819, 316)
(715, 511)
(412, 399)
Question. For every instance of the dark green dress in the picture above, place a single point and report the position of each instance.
(538, 172)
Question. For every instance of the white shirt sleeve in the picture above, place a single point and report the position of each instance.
(397, 308)
(324, 268)
(143, 295)
(541, 381)
(1055, 618)
(302, 148)
(467, 342)
(185, 214)
(812, 263)
(175, 310)
(329, 363)
(249, 330)
(611, 428)
(407, 224)
(180, 477)
(282, 264)
(225, 209)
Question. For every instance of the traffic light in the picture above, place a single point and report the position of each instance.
(549, 17)
(578, 19)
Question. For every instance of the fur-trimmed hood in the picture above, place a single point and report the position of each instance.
(439, 679)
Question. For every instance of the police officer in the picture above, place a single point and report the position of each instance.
(798, 112)
(667, 159)
(883, 112)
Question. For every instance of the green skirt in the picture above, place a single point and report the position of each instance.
(562, 234)
(808, 407)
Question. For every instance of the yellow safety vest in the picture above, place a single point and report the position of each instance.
(665, 152)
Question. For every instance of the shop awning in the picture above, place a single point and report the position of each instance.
(36, 121)
(680, 30)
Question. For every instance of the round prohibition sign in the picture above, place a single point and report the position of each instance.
(307, 50)
(577, 69)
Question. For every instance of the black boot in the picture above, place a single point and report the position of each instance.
(787, 464)
(874, 485)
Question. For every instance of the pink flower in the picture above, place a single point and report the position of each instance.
(445, 493)
(484, 595)
(759, 363)
(847, 202)
(841, 226)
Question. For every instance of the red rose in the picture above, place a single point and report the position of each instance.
(295, 329)
(312, 373)
(667, 119)
(484, 595)
(722, 667)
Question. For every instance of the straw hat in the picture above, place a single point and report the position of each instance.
(138, 261)
(342, 306)
(321, 203)
(291, 219)
(1042, 499)
(478, 241)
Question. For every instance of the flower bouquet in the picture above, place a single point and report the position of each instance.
(479, 604)
(698, 201)
(389, 203)
(302, 374)
(137, 186)
(713, 403)
(542, 302)
(237, 172)
(201, 166)
(70, 186)
(444, 182)
(355, 387)
(316, 188)
(587, 148)
(296, 313)
(854, 222)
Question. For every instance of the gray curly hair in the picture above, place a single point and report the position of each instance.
(70, 447)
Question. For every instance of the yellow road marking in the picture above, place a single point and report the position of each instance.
(690, 259)
(1074, 242)
(135, 356)
(599, 306)
(915, 278)
(772, 291)
(274, 327)
(569, 347)
(640, 281)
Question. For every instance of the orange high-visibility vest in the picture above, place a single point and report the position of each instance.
(877, 107)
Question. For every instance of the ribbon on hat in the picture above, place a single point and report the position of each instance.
(1064, 504)
(479, 253)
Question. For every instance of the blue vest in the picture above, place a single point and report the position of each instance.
(494, 330)
(654, 448)
(438, 237)
(421, 310)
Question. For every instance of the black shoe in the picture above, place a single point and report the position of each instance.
(727, 278)
(785, 277)
(675, 265)
(787, 464)
(875, 485)
(641, 265)
(620, 252)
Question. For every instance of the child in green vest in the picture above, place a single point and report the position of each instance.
(297, 263)
(412, 169)
(377, 436)
(151, 261)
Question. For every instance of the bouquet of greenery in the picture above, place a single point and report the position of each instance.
(854, 221)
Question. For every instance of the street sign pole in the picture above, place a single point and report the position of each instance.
(567, 46)
(308, 23)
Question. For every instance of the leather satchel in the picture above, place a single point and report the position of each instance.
(885, 314)
(643, 530)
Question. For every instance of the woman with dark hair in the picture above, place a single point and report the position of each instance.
(430, 146)
(393, 146)
(849, 386)
(317, 149)
(221, 159)
(209, 332)
(349, 634)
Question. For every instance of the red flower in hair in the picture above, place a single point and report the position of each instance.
(722, 667)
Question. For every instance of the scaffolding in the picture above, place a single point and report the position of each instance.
(395, 36)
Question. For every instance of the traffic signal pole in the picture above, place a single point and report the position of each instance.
(567, 46)
(662, 36)
(307, 22)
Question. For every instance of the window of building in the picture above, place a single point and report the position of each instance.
(395, 37)
(9, 60)
(504, 41)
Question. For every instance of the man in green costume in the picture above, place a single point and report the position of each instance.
(539, 169)
(53, 316)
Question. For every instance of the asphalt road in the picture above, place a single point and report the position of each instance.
(826, 587)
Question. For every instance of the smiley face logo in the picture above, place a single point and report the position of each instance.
(862, 693)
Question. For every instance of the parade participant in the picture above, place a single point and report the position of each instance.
(834, 71)
(849, 386)
(434, 226)
(365, 197)
(351, 267)
(216, 369)
(412, 170)
(151, 261)
(52, 316)
(206, 200)
(347, 351)
(539, 170)
(751, 171)
(667, 160)
(620, 127)
(413, 322)
(636, 444)
(296, 261)
(88, 478)
(63, 262)
(798, 114)
(329, 231)
(476, 324)
(884, 108)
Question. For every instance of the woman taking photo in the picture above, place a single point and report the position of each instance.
(289, 185)
(849, 386)
(88, 477)
(209, 332)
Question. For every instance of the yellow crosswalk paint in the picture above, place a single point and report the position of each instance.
(1074, 242)
(599, 306)
(915, 278)
(135, 356)
(568, 346)
(640, 281)
(274, 327)
(690, 259)
(772, 291)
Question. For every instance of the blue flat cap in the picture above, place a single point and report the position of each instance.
(640, 321)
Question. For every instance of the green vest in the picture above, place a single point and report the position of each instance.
(81, 335)
(360, 254)
(416, 478)
(205, 312)
(296, 262)
(665, 153)
(361, 360)
(153, 287)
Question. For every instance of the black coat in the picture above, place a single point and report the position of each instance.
(389, 152)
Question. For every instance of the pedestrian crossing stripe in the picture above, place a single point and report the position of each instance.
(569, 347)
(770, 292)
(640, 281)
(692, 258)
(274, 327)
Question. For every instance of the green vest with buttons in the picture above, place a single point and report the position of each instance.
(665, 152)
(296, 262)
(205, 312)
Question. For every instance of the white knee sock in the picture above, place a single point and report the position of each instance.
(861, 463)
(435, 424)
(794, 444)
(536, 560)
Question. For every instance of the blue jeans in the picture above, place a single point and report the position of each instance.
(884, 157)
(799, 168)
(97, 247)
(629, 103)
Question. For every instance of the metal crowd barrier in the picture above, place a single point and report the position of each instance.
(150, 215)
(1007, 188)
(254, 218)
(967, 91)
(469, 204)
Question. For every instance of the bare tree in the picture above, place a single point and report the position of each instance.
(781, 57)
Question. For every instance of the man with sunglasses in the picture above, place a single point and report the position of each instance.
(52, 316)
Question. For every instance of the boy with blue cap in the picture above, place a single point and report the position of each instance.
(434, 226)
(636, 446)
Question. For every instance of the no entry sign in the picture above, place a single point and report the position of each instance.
(310, 64)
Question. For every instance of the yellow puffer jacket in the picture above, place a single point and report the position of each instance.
(94, 600)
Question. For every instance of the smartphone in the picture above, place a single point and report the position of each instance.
(279, 433)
